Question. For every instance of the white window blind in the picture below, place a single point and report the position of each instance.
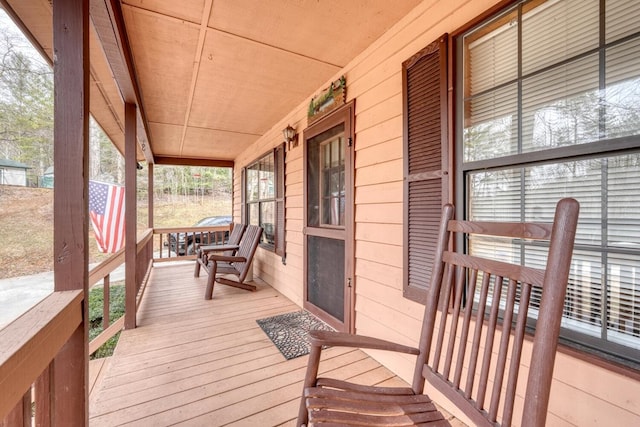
(495, 53)
(491, 124)
(562, 88)
(610, 183)
(622, 19)
(622, 94)
(557, 30)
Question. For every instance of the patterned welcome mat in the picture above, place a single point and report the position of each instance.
(289, 332)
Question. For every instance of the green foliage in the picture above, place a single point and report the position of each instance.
(106, 164)
(116, 310)
(188, 179)
(26, 107)
(26, 112)
(173, 182)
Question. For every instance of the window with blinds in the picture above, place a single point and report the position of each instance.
(549, 107)
(263, 198)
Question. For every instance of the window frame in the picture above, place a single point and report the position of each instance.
(325, 176)
(278, 199)
(602, 148)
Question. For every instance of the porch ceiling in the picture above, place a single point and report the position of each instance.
(215, 75)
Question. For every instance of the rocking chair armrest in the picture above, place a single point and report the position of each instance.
(342, 339)
(225, 258)
(217, 248)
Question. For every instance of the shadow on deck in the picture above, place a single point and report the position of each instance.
(207, 363)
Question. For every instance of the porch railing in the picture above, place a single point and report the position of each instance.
(29, 345)
(31, 342)
(181, 243)
(102, 272)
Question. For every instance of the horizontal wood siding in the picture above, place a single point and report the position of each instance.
(374, 79)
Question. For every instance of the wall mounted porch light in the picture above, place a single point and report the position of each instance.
(290, 137)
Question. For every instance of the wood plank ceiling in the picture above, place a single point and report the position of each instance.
(214, 75)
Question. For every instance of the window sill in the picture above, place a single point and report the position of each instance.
(268, 247)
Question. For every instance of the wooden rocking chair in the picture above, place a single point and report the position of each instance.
(473, 333)
(237, 263)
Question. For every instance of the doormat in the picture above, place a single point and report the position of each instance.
(289, 332)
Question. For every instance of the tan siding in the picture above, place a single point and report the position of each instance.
(374, 80)
(294, 195)
(381, 132)
(295, 201)
(581, 408)
(379, 153)
(294, 225)
(381, 324)
(373, 250)
(575, 383)
(295, 241)
(385, 275)
(379, 112)
(377, 213)
(388, 296)
(293, 215)
(387, 88)
(294, 176)
(611, 387)
(380, 173)
(390, 192)
(389, 233)
(294, 157)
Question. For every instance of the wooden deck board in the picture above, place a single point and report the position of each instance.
(97, 368)
(195, 362)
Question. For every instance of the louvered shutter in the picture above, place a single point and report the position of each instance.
(425, 161)
(278, 156)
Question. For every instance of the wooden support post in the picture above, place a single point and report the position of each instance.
(130, 172)
(150, 195)
(69, 370)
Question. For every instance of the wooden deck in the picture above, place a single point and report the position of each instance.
(207, 363)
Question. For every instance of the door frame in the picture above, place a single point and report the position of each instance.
(346, 115)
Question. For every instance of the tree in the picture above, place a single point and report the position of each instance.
(106, 164)
(26, 105)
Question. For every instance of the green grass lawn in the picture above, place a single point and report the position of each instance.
(116, 310)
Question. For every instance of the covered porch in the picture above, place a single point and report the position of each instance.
(214, 83)
(197, 362)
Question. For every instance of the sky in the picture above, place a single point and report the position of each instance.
(7, 26)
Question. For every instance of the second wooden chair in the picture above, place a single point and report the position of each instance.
(237, 263)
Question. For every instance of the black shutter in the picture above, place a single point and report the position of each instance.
(278, 156)
(424, 79)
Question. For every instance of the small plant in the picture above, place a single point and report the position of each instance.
(116, 310)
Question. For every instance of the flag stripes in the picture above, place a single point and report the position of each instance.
(106, 209)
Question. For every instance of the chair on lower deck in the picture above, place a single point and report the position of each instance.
(472, 342)
(238, 263)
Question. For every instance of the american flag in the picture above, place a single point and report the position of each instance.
(106, 208)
